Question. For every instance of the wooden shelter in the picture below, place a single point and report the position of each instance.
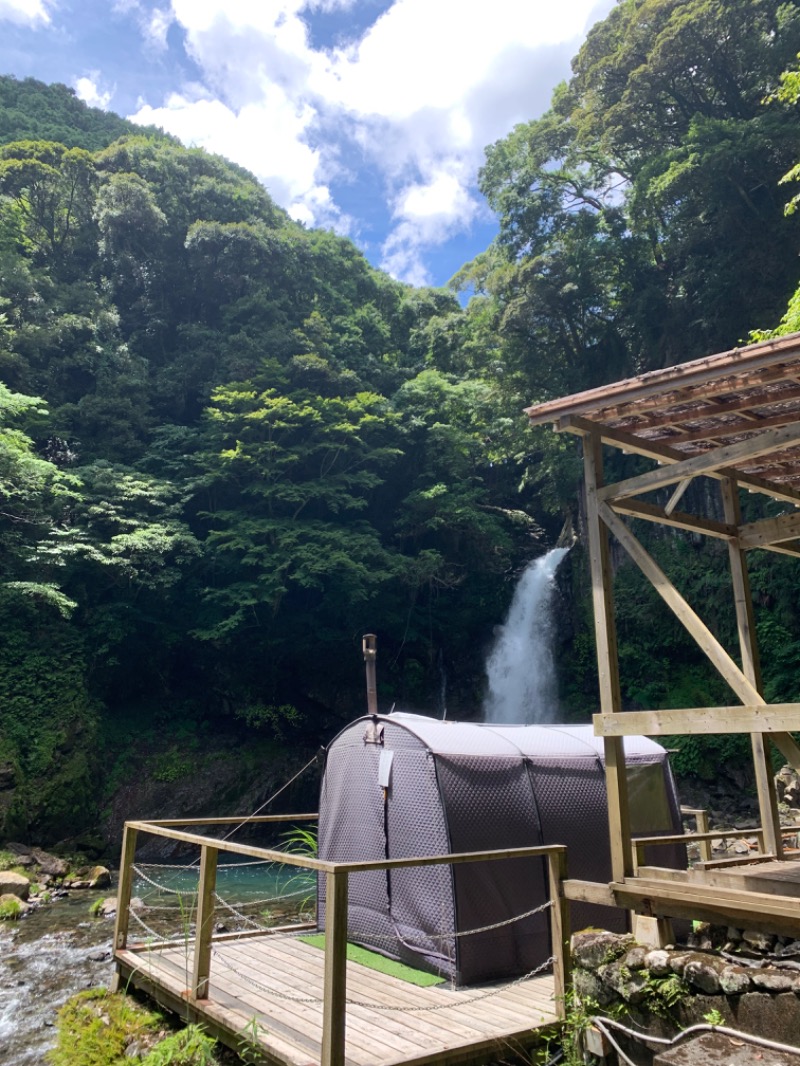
(734, 418)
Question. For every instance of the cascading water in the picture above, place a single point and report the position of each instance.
(522, 685)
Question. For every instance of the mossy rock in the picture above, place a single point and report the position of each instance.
(98, 1028)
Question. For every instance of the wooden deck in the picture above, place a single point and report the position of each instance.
(268, 991)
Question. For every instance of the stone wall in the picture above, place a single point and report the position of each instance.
(666, 990)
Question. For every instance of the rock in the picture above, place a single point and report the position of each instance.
(631, 985)
(99, 877)
(589, 988)
(703, 972)
(734, 935)
(773, 980)
(758, 941)
(50, 864)
(792, 948)
(15, 885)
(23, 860)
(657, 962)
(733, 980)
(108, 908)
(20, 908)
(137, 904)
(593, 949)
(678, 961)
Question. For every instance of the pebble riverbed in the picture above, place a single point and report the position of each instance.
(48, 956)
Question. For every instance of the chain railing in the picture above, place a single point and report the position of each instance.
(334, 998)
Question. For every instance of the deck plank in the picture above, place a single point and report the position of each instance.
(264, 980)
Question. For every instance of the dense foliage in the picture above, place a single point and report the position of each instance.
(228, 446)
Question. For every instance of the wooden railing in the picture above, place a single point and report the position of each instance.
(702, 837)
(336, 894)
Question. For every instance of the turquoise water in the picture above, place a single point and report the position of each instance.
(244, 882)
(249, 895)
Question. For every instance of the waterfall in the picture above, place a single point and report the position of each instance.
(522, 685)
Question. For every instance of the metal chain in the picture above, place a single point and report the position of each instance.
(151, 932)
(163, 888)
(245, 903)
(456, 934)
(242, 917)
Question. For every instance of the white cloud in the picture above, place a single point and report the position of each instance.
(266, 137)
(420, 95)
(25, 12)
(87, 89)
(156, 26)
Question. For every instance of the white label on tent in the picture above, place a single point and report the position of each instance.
(385, 768)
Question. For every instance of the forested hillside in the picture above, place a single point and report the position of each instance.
(229, 446)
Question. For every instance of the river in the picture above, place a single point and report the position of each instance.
(59, 949)
(45, 958)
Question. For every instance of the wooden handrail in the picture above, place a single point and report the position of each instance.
(703, 839)
(337, 878)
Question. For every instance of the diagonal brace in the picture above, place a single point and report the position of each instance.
(719, 657)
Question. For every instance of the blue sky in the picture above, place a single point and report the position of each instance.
(366, 116)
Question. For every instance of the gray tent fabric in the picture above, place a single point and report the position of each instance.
(404, 785)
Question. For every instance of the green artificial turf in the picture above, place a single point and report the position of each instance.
(380, 963)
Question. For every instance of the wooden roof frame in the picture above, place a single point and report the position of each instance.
(732, 417)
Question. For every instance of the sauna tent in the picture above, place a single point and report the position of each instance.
(405, 785)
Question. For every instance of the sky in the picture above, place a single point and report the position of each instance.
(368, 117)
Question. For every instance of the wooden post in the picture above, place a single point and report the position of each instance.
(607, 661)
(701, 818)
(201, 966)
(124, 896)
(751, 667)
(335, 990)
(559, 926)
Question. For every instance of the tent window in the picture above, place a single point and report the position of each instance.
(647, 799)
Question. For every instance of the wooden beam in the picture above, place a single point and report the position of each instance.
(700, 721)
(710, 903)
(607, 659)
(769, 531)
(629, 442)
(559, 929)
(751, 667)
(702, 825)
(204, 923)
(649, 512)
(713, 461)
(784, 549)
(677, 495)
(124, 895)
(718, 656)
(789, 749)
(596, 892)
(334, 1005)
